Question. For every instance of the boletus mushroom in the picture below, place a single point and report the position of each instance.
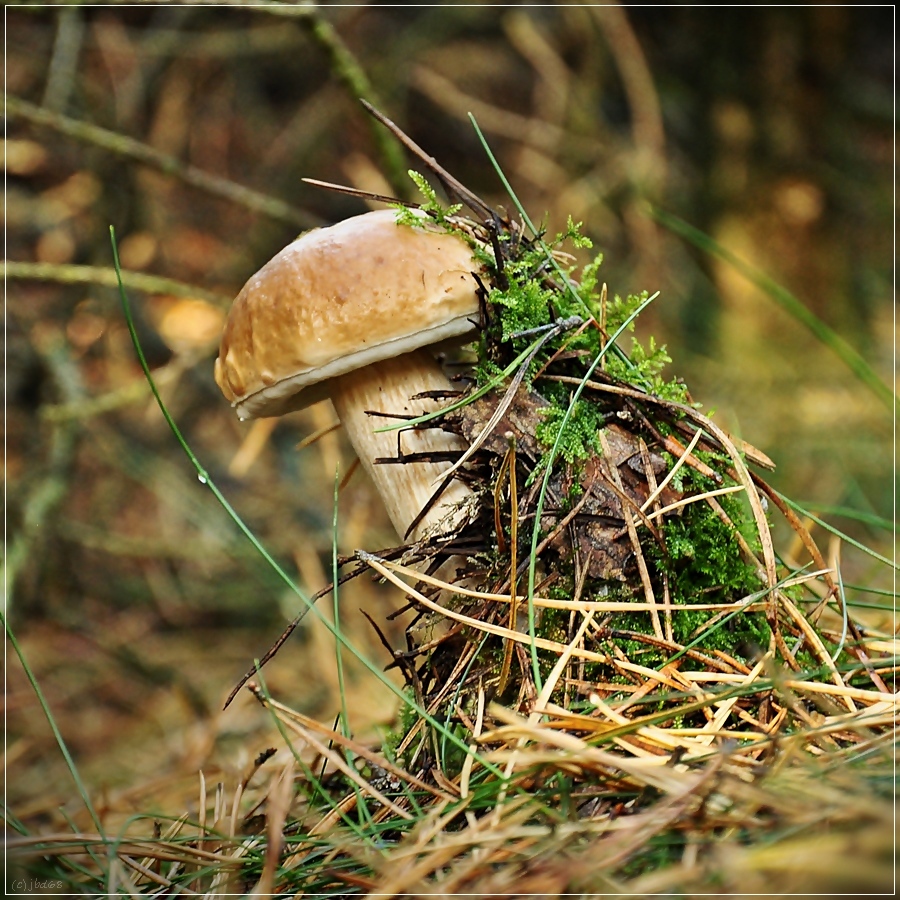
(348, 312)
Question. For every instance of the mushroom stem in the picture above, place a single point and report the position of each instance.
(405, 488)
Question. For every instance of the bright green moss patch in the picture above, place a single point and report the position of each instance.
(579, 436)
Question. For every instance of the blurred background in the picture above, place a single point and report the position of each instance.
(189, 128)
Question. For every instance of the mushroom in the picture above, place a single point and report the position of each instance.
(347, 312)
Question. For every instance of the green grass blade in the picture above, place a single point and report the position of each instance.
(521, 210)
(488, 386)
(335, 594)
(784, 298)
(551, 259)
(857, 515)
(866, 589)
(57, 734)
(204, 478)
(838, 533)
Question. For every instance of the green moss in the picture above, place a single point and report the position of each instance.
(524, 305)
(579, 438)
(432, 204)
(700, 560)
(534, 289)
(703, 557)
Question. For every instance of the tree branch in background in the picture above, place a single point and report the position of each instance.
(61, 75)
(50, 487)
(345, 66)
(163, 162)
(648, 132)
(637, 81)
(138, 281)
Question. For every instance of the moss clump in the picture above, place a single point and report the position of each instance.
(578, 438)
(591, 427)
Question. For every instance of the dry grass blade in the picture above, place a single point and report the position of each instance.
(597, 606)
(308, 736)
(500, 631)
(816, 643)
(510, 462)
(82, 844)
(356, 192)
(355, 747)
(279, 801)
(682, 459)
(696, 498)
(645, 771)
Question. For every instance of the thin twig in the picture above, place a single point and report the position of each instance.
(453, 187)
(130, 148)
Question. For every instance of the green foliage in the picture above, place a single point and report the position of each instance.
(703, 564)
(407, 717)
(618, 309)
(643, 365)
(524, 305)
(579, 438)
(704, 556)
(432, 204)
(573, 234)
(588, 286)
(533, 290)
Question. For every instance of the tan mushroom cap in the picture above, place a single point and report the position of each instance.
(338, 299)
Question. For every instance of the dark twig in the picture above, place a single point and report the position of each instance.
(357, 192)
(454, 188)
(391, 553)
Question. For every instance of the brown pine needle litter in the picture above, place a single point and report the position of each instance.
(615, 684)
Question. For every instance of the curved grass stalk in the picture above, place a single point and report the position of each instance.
(204, 479)
(57, 734)
(838, 533)
(786, 300)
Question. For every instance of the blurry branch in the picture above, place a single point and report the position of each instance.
(220, 44)
(553, 76)
(637, 80)
(141, 546)
(49, 489)
(649, 163)
(88, 407)
(163, 162)
(353, 77)
(446, 95)
(139, 281)
(350, 73)
(786, 300)
(64, 60)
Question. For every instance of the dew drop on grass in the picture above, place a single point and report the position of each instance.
(202, 479)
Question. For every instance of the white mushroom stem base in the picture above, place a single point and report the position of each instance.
(405, 488)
